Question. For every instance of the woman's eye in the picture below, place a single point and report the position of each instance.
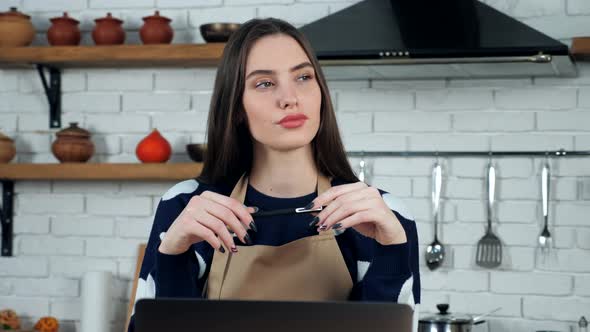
(264, 84)
(305, 77)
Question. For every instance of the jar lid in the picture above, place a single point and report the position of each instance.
(157, 17)
(446, 317)
(5, 138)
(109, 17)
(13, 12)
(65, 17)
(73, 130)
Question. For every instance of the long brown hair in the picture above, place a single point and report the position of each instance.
(229, 143)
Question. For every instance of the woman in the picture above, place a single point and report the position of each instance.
(273, 143)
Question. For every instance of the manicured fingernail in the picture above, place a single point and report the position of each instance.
(337, 225)
(222, 249)
(308, 206)
(323, 227)
(255, 208)
(314, 221)
(247, 239)
(234, 249)
(253, 226)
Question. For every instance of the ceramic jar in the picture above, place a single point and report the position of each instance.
(153, 148)
(73, 145)
(7, 149)
(63, 31)
(108, 31)
(16, 29)
(156, 29)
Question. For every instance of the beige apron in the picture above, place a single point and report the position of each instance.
(308, 269)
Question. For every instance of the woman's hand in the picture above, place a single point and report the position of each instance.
(361, 207)
(207, 217)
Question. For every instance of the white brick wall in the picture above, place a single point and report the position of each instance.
(65, 228)
(57, 287)
(297, 14)
(141, 101)
(454, 99)
(91, 102)
(183, 79)
(535, 99)
(374, 100)
(120, 205)
(527, 283)
(540, 307)
(119, 80)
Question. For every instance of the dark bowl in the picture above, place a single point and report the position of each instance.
(218, 32)
(196, 151)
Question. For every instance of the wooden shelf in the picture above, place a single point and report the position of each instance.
(100, 171)
(581, 48)
(169, 55)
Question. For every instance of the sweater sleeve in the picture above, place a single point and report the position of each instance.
(391, 272)
(164, 275)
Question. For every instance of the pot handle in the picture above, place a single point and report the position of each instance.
(479, 322)
(477, 319)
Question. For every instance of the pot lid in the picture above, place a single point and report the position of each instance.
(65, 17)
(5, 138)
(444, 316)
(108, 18)
(157, 17)
(13, 12)
(73, 130)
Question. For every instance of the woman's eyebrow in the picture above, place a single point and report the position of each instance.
(272, 72)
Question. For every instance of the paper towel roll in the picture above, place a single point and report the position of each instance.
(96, 301)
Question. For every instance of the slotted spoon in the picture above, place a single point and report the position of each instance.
(489, 247)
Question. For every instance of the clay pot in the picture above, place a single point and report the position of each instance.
(63, 31)
(73, 145)
(156, 30)
(16, 29)
(7, 149)
(153, 148)
(108, 31)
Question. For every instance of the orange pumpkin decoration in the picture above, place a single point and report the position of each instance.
(9, 320)
(154, 148)
(47, 324)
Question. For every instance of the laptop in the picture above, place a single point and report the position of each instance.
(201, 315)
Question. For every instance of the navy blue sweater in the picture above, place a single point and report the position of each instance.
(379, 273)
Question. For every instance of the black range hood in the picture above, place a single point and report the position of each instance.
(388, 39)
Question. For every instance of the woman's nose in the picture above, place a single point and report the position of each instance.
(287, 97)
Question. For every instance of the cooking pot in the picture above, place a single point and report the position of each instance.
(444, 321)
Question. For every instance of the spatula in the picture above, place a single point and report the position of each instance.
(489, 247)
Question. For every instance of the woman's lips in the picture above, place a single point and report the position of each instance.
(293, 121)
(292, 124)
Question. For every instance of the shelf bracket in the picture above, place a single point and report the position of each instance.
(6, 216)
(53, 93)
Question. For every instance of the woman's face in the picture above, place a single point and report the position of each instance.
(282, 97)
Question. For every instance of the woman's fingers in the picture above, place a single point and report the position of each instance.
(333, 193)
(346, 217)
(207, 235)
(341, 202)
(238, 209)
(219, 230)
(229, 219)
